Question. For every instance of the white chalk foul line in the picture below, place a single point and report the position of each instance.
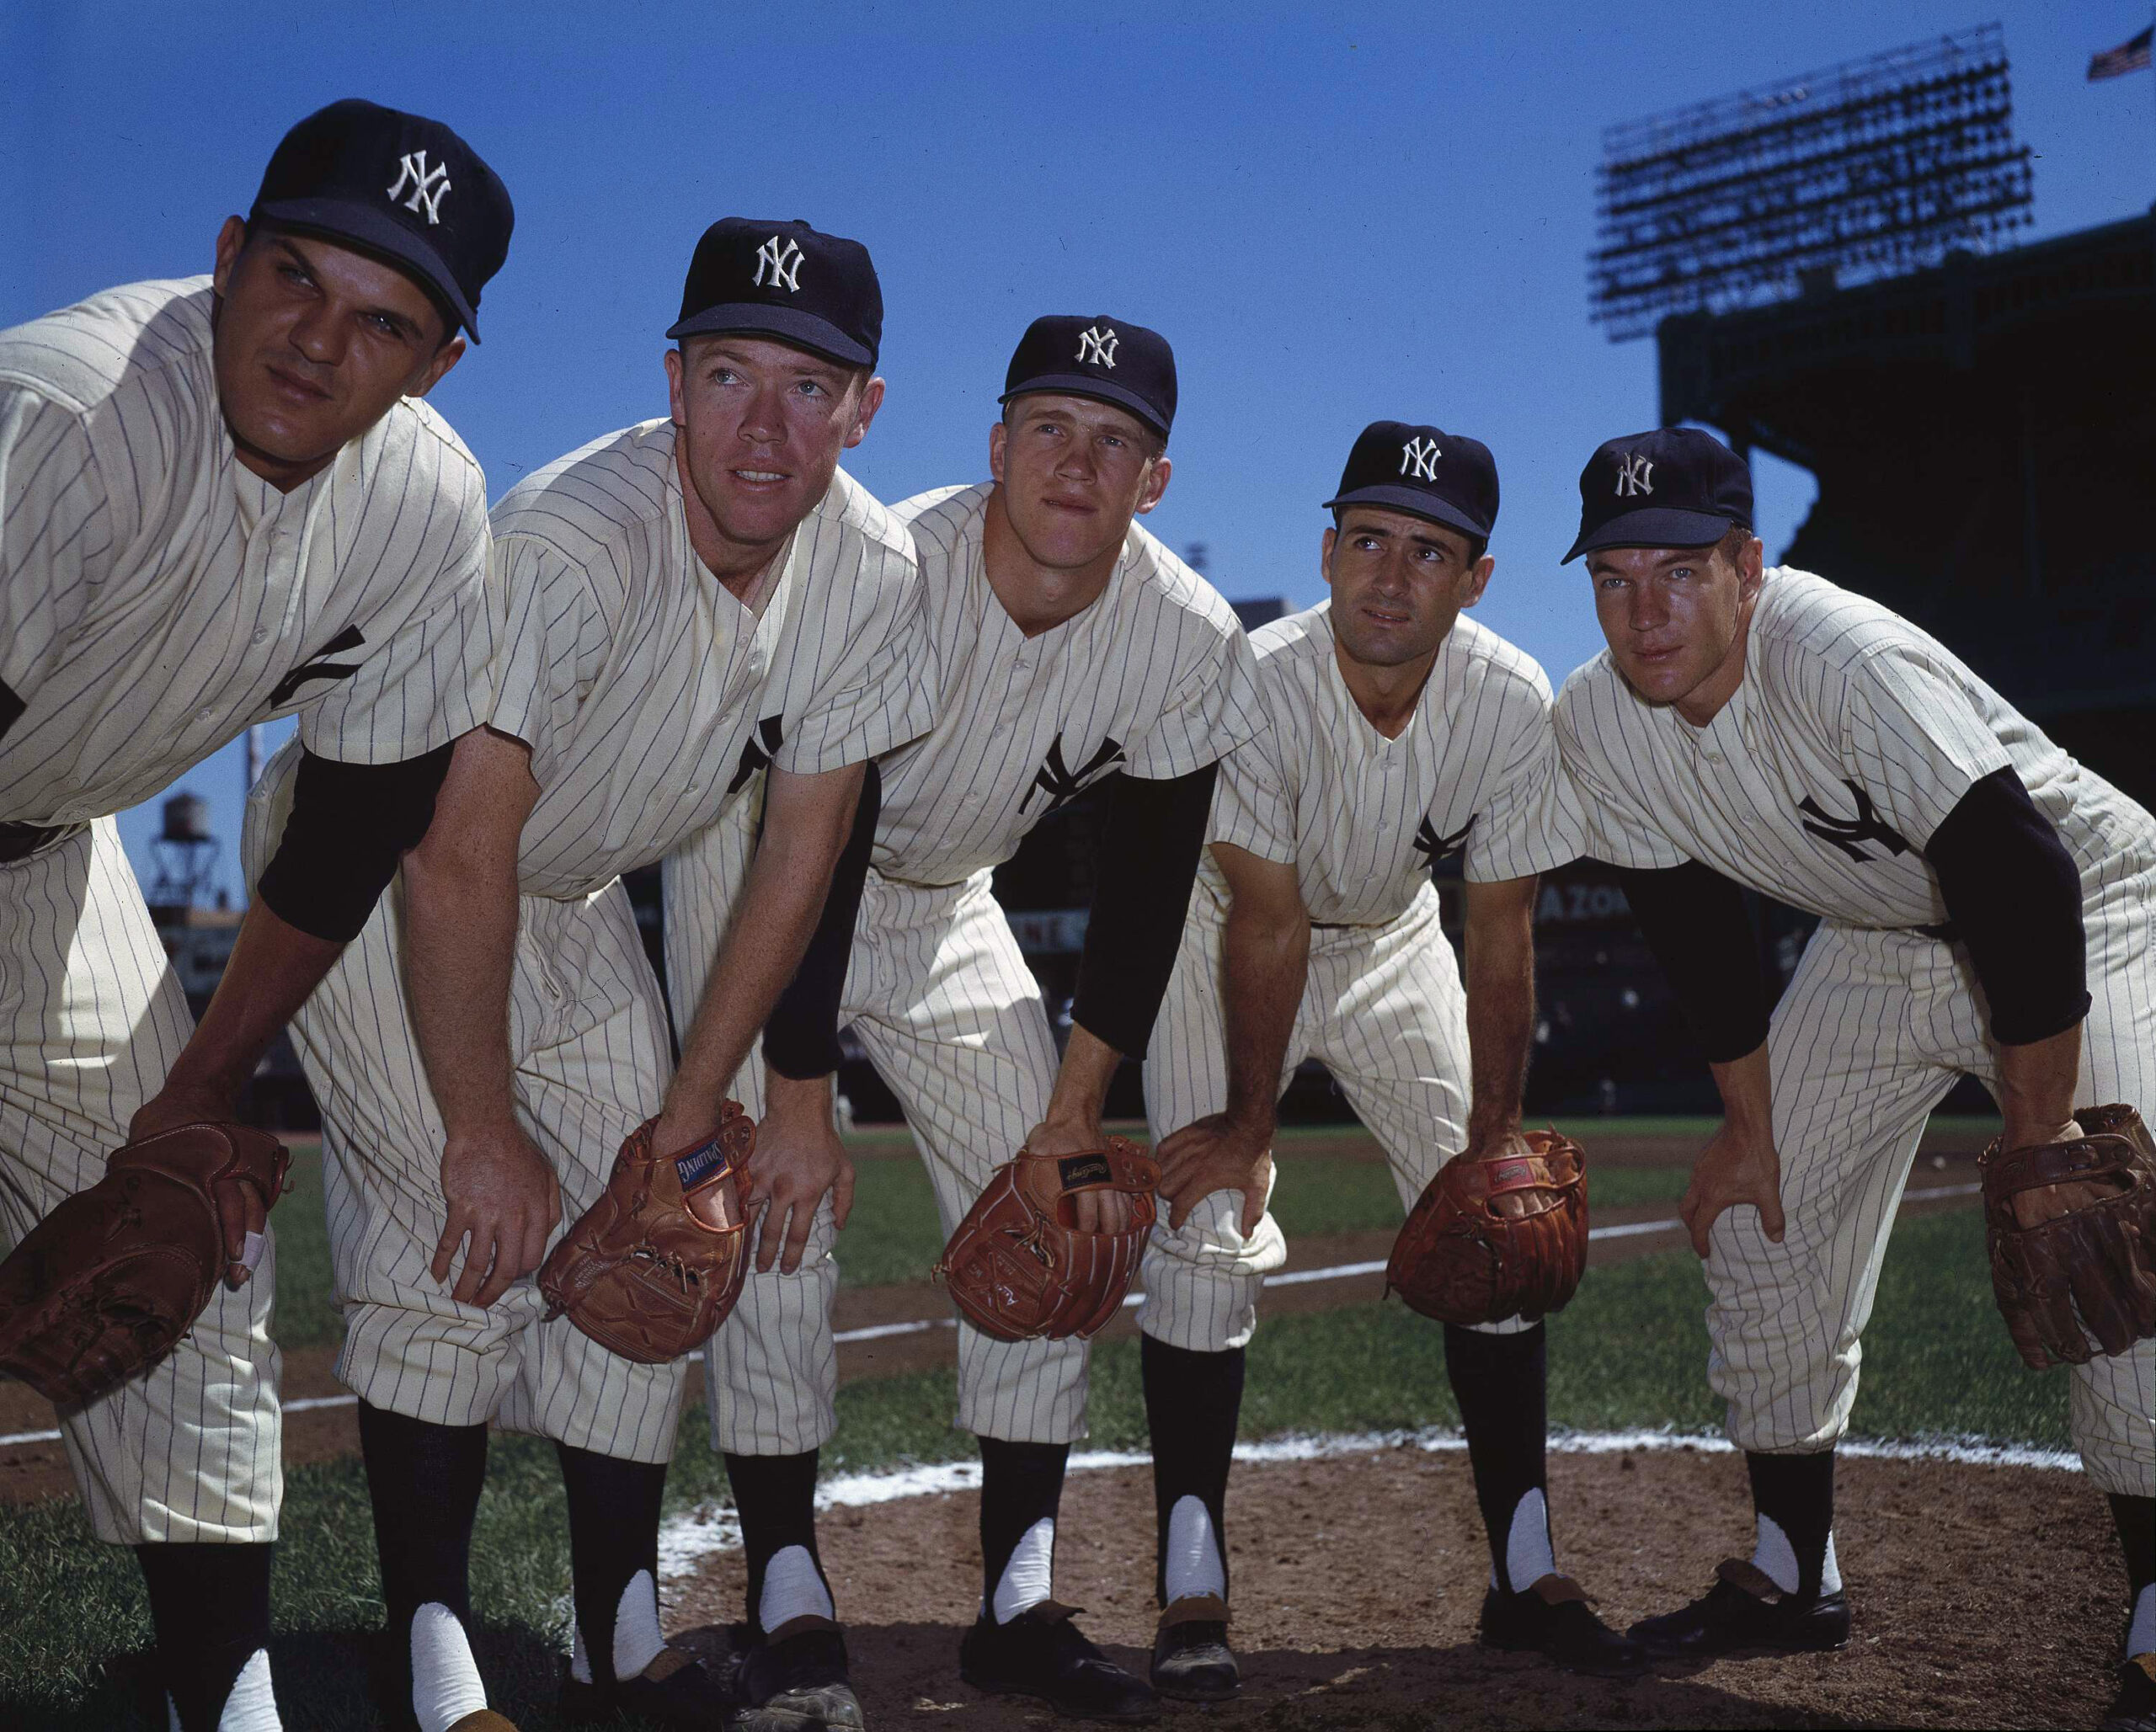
(686, 1541)
(884, 1331)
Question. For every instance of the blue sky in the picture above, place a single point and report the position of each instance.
(1376, 211)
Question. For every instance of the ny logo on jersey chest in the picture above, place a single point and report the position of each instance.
(1847, 833)
(317, 667)
(1433, 848)
(1635, 476)
(427, 185)
(1062, 784)
(762, 746)
(1098, 346)
(782, 263)
(1418, 459)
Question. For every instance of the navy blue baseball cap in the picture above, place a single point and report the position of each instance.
(397, 185)
(1110, 361)
(1446, 478)
(1675, 486)
(787, 280)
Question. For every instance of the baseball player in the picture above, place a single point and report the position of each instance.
(1068, 644)
(1985, 906)
(222, 500)
(704, 613)
(1397, 733)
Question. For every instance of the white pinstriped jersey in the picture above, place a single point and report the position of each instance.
(156, 597)
(650, 696)
(1363, 818)
(1851, 737)
(1154, 679)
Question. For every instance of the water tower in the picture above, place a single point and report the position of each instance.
(185, 853)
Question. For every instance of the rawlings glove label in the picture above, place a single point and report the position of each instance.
(1498, 1237)
(1077, 1169)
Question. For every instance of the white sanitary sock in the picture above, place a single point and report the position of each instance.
(1777, 1557)
(792, 1588)
(252, 1707)
(1030, 1574)
(1193, 1558)
(1528, 1556)
(445, 1683)
(2141, 1634)
(637, 1638)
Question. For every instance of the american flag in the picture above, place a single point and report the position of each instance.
(2129, 56)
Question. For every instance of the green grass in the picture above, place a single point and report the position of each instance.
(307, 1313)
(1630, 1350)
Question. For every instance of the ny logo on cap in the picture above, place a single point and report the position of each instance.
(1418, 458)
(1635, 476)
(427, 184)
(783, 263)
(1095, 344)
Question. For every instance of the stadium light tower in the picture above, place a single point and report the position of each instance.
(1872, 169)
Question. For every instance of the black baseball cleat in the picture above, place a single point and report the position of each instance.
(1192, 1660)
(1040, 1653)
(795, 1681)
(1554, 1617)
(2134, 1708)
(1744, 1612)
(675, 1690)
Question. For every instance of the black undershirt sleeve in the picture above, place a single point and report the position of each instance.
(800, 1040)
(1694, 922)
(351, 824)
(1149, 848)
(2015, 899)
(10, 708)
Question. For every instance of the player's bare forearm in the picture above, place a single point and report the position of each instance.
(1080, 1092)
(1740, 1164)
(1265, 961)
(273, 969)
(459, 930)
(2036, 1081)
(1500, 928)
(805, 821)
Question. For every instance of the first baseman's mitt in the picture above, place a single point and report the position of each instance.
(652, 1269)
(2091, 1272)
(105, 1285)
(1019, 1268)
(1502, 1236)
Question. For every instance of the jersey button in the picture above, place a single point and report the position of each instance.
(261, 635)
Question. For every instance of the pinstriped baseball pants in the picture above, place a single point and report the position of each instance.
(93, 1017)
(587, 1035)
(1383, 1009)
(1871, 1034)
(940, 996)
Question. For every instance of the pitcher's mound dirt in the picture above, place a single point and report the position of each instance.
(1983, 1596)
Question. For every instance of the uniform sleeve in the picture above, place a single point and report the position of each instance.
(879, 691)
(1215, 707)
(551, 644)
(1531, 821)
(56, 539)
(1254, 801)
(1915, 739)
(433, 677)
(1618, 830)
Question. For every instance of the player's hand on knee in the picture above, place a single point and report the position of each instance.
(503, 1199)
(241, 1214)
(2051, 1203)
(1090, 1211)
(1737, 1166)
(799, 1157)
(1215, 1153)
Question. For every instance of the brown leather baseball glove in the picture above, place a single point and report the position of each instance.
(105, 1285)
(652, 1269)
(2083, 1283)
(1502, 1236)
(1019, 1268)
